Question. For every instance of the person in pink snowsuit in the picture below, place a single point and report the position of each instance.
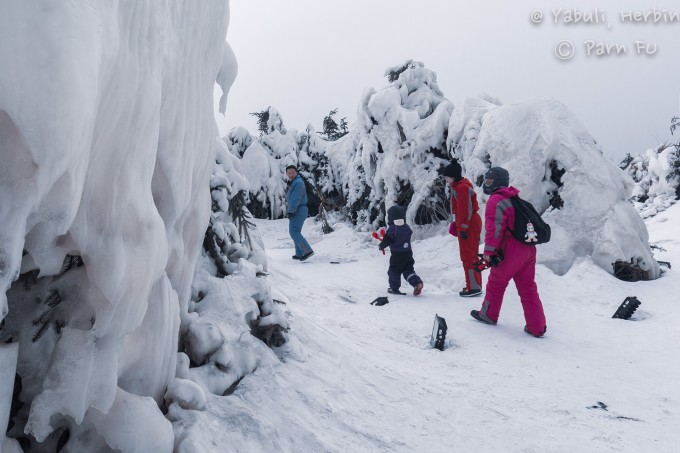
(518, 262)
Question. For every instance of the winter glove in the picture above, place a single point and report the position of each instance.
(463, 234)
(290, 215)
(452, 229)
(495, 259)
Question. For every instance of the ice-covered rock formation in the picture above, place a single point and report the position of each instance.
(107, 136)
(560, 169)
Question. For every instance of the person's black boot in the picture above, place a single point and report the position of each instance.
(537, 336)
(305, 256)
(482, 318)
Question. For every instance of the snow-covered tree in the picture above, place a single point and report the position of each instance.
(393, 153)
(656, 174)
(331, 129)
(406, 132)
(262, 121)
(233, 319)
(238, 140)
(264, 162)
(231, 233)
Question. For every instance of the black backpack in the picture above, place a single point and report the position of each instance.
(529, 228)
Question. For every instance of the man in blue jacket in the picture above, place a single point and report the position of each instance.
(296, 198)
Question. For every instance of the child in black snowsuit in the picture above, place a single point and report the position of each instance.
(398, 239)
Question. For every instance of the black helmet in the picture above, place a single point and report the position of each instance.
(396, 213)
(494, 179)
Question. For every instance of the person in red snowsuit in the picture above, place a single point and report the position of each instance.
(468, 226)
(518, 262)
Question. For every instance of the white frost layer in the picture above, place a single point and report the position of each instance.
(107, 141)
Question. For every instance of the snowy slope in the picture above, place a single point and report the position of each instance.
(356, 377)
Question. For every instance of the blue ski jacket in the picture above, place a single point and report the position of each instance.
(296, 195)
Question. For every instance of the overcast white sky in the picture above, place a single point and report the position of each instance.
(305, 57)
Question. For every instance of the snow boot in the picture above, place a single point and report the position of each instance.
(482, 318)
(395, 291)
(305, 256)
(470, 292)
(418, 289)
(537, 336)
(295, 257)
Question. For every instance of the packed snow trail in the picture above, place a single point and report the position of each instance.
(357, 377)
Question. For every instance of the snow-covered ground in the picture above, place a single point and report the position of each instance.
(357, 377)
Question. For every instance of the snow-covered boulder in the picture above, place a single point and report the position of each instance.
(185, 393)
(559, 168)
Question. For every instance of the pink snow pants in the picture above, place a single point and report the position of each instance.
(519, 264)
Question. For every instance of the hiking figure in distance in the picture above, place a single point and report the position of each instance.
(296, 200)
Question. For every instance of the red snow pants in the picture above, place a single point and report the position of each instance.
(519, 265)
(469, 248)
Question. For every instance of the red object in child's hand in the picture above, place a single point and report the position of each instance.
(453, 231)
(379, 237)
